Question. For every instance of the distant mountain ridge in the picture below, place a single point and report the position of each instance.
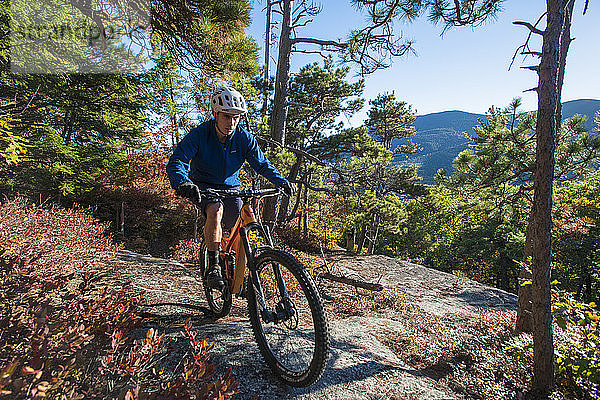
(440, 135)
(587, 107)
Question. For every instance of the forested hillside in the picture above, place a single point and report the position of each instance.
(440, 135)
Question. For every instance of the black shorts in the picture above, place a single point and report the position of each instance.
(231, 205)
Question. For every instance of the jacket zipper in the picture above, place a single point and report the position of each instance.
(226, 144)
(224, 164)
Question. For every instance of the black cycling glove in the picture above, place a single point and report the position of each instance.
(189, 191)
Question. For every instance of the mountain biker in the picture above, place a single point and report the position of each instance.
(214, 153)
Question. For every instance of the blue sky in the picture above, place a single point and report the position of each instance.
(466, 68)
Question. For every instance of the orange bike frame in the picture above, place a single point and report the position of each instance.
(233, 242)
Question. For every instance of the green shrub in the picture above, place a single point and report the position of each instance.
(577, 343)
(576, 346)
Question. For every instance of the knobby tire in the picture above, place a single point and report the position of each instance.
(298, 354)
(219, 301)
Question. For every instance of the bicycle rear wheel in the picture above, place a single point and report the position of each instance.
(219, 301)
(291, 330)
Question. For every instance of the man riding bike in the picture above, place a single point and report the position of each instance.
(214, 153)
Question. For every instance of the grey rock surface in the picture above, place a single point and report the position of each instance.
(436, 292)
(361, 366)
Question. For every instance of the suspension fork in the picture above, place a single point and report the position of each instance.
(250, 260)
(269, 316)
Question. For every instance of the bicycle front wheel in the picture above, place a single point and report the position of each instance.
(287, 318)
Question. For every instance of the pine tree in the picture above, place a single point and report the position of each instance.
(391, 120)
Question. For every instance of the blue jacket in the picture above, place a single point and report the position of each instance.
(217, 164)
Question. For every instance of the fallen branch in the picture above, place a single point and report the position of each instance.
(351, 281)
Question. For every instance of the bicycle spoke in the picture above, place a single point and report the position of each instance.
(291, 337)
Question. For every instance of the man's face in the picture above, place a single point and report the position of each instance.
(226, 123)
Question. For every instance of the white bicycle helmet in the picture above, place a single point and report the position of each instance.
(228, 100)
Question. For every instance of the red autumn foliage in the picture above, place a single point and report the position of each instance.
(153, 215)
(56, 324)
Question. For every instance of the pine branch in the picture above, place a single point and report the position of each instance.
(315, 188)
(295, 103)
(299, 152)
(458, 16)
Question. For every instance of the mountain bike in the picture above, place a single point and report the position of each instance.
(285, 308)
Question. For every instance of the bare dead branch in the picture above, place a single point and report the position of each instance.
(299, 25)
(532, 28)
(532, 53)
(304, 9)
(525, 46)
(98, 16)
(319, 53)
(535, 68)
(319, 42)
(351, 281)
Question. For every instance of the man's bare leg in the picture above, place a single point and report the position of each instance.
(212, 226)
(212, 235)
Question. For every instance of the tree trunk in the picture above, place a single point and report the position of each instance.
(543, 346)
(175, 127)
(294, 212)
(267, 57)
(301, 213)
(122, 220)
(66, 131)
(305, 223)
(361, 238)
(588, 287)
(351, 235)
(565, 42)
(524, 322)
(505, 264)
(283, 76)
(375, 230)
(281, 90)
(285, 201)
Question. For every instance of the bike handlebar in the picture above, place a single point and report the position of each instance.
(245, 194)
